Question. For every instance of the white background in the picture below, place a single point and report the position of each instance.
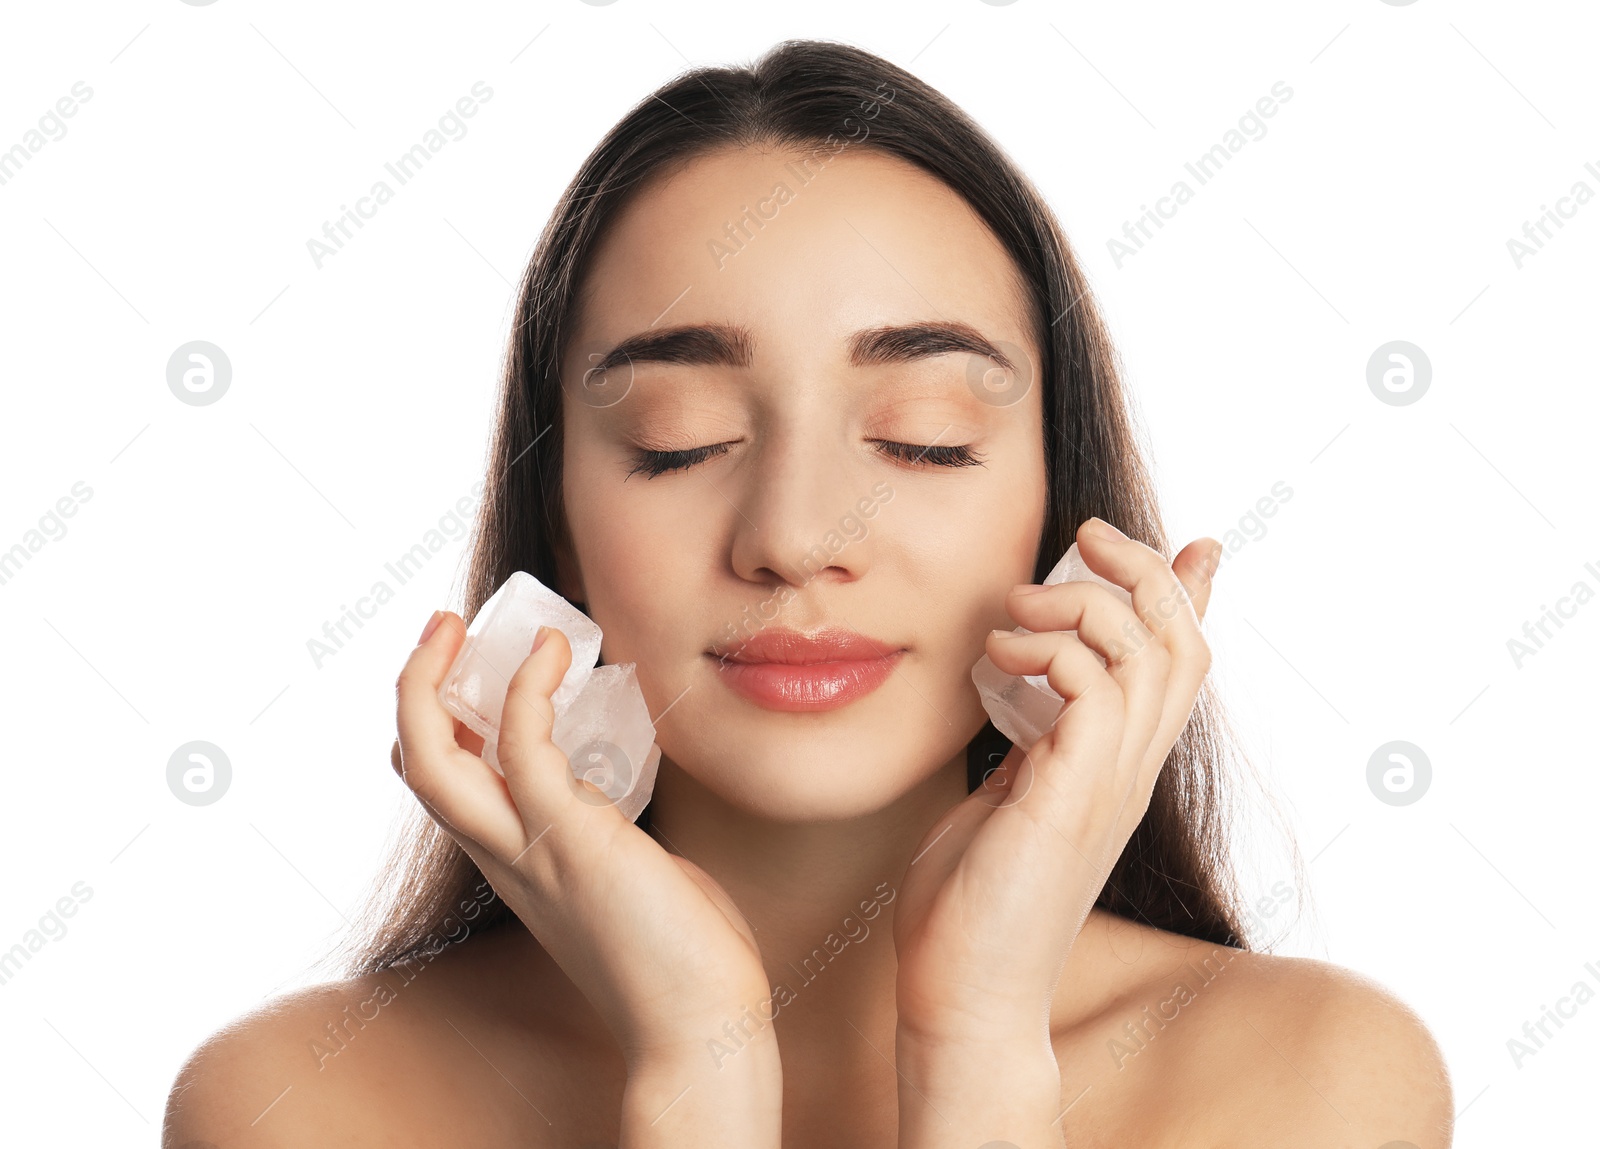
(218, 539)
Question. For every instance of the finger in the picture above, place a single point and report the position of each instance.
(1160, 600)
(1187, 580)
(465, 738)
(1066, 661)
(1111, 715)
(1171, 600)
(427, 726)
(1163, 602)
(1094, 722)
(449, 782)
(1134, 658)
(1195, 566)
(1104, 622)
(537, 772)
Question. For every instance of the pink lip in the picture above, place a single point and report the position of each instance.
(782, 669)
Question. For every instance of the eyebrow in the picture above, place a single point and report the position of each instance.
(730, 345)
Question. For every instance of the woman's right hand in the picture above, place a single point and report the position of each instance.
(652, 941)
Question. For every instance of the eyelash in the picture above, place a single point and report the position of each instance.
(653, 463)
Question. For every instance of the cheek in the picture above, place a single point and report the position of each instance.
(964, 534)
(958, 554)
(637, 563)
(966, 549)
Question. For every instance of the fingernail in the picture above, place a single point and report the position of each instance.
(433, 625)
(1104, 530)
(539, 637)
(1003, 633)
(1214, 561)
(1028, 588)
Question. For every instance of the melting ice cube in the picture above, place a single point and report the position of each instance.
(1024, 707)
(602, 723)
(607, 736)
(499, 639)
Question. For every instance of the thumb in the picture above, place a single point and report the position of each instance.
(1195, 566)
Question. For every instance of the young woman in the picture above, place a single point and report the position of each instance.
(804, 382)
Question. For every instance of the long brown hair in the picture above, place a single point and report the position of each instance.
(1176, 871)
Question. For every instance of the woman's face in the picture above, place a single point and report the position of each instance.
(800, 517)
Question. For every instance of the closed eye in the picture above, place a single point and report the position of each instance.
(939, 456)
(653, 463)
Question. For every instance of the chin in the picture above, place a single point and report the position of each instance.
(813, 775)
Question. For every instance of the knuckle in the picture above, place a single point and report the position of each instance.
(1100, 596)
(526, 704)
(1105, 696)
(405, 683)
(1057, 598)
(1144, 554)
(432, 808)
(512, 745)
(528, 749)
(423, 792)
(1192, 654)
(1069, 660)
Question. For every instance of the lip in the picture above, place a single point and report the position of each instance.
(782, 669)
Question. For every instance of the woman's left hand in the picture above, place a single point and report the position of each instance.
(1000, 889)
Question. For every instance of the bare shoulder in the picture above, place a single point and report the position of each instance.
(304, 1068)
(1283, 1049)
(1197, 1044)
(416, 1055)
(1381, 1072)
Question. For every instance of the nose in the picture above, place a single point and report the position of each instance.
(796, 517)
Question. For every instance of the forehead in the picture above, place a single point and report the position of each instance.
(802, 246)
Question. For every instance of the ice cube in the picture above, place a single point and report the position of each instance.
(602, 722)
(1023, 707)
(500, 637)
(604, 733)
(1072, 568)
(608, 738)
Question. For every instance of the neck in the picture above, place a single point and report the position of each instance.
(819, 896)
(821, 899)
